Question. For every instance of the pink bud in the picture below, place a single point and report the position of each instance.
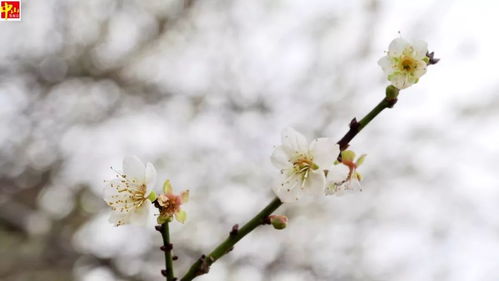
(278, 221)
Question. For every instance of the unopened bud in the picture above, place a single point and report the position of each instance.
(152, 196)
(278, 221)
(392, 92)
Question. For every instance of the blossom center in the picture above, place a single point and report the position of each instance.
(408, 64)
(139, 194)
(303, 166)
(170, 204)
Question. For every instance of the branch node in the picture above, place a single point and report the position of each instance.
(354, 125)
(163, 272)
(266, 220)
(156, 204)
(235, 230)
(158, 227)
(204, 266)
(167, 247)
(391, 102)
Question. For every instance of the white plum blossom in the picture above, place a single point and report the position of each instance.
(302, 165)
(344, 177)
(128, 193)
(405, 63)
(341, 181)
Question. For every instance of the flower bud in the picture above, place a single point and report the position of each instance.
(392, 92)
(152, 196)
(278, 221)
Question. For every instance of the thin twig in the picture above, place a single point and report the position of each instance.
(355, 127)
(202, 265)
(167, 248)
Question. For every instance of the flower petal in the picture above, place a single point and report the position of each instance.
(290, 190)
(288, 196)
(119, 219)
(293, 142)
(420, 69)
(400, 81)
(117, 196)
(420, 49)
(324, 152)
(360, 160)
(185, 196)
(334, 189)
(386, 64)
(316, 183)
(150, 176)
(338, 182)
(355, 185)
(140, 214)
(167, 187)
(134, 169)
(397, 46)
(338, 173)
(280, 158)
(181, 216)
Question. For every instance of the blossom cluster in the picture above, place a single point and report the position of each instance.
(313, 168)
(128, 193)
(317, 168)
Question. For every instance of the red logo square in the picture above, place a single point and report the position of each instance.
(10, 10)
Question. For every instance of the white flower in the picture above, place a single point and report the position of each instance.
(302, 165)
(340, 181)
(344, 177)
(405, 63)
(127, 194)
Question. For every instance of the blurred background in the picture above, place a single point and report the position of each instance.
(202, 90)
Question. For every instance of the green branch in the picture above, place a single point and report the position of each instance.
(167, 248)
(202, 265)
(355, 127)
